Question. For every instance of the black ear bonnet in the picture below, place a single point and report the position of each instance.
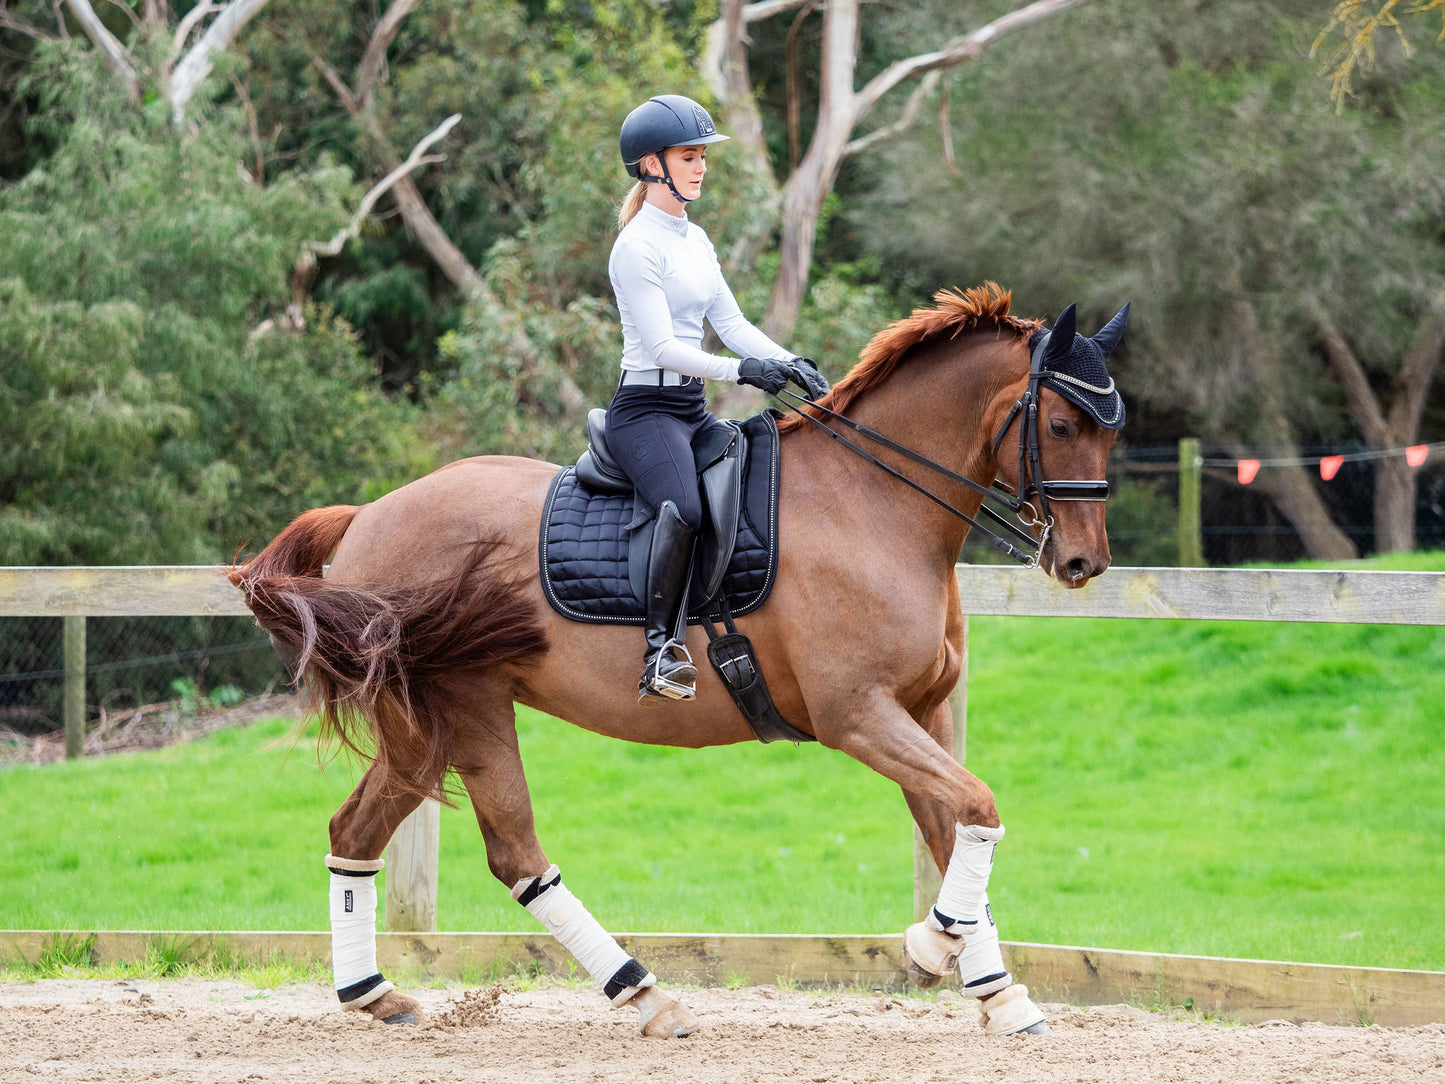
(1073, 365)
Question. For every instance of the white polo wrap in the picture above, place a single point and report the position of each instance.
(579, 933)
(353, 931)
(963, 897)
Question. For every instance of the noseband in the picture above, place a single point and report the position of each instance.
(1031, 480)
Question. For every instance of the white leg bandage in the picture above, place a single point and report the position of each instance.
(353, 931)
(580, 934)
(965, 884)
(980, 964)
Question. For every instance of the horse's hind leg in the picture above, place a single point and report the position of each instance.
(486, 755)
(360, 831)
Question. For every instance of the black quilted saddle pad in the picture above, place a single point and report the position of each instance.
(586, 569)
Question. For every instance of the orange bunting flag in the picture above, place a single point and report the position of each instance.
(1330, 466)
(1248, 468)
(1416, 454)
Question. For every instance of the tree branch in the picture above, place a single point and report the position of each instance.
(1364, 407)
(191, 72)
(964, 48)
(8, 22)
(911, 109)
(188, 23)
(766, 9)
(311, 251)
(115, 53)
(1425, 355)
(368, 72)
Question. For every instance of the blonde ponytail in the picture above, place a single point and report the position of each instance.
(636, 197)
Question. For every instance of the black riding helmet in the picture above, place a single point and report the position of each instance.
(668, 120)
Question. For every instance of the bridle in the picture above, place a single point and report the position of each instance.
(1031, 480)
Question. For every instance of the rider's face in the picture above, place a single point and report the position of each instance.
(687, 167)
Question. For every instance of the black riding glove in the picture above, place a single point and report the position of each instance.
(773, 376)
(805, 373)
(766, 373)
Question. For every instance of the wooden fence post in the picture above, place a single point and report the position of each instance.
(74, 664)
(926, 878)
(412, 862)
(1191, 541)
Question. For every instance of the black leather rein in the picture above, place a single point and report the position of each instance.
(1030, 469)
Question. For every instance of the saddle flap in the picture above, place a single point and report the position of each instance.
(722, 491)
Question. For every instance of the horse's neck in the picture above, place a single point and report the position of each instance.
(944, 402)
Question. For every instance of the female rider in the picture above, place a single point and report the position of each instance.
(667, 280)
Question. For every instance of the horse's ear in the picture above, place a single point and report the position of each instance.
(1110, 334)
(1061, 337)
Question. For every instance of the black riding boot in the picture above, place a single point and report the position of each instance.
(667, 670)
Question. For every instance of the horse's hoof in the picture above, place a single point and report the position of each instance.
(394, 1008)
(662, 1017)
(1012, 1012)
(929, 954)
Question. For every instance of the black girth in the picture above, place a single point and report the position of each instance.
(1031, 480)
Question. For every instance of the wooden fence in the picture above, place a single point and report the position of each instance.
(1347, 597)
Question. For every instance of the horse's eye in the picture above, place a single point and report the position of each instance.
(1058, 428)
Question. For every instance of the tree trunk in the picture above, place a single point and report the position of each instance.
(1394, 506)
(813, 179)
(1394, 478)
(1292, 492)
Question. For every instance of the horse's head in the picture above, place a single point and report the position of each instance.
(1061, 432)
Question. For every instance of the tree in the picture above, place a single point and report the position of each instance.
(138, 421)
(1356, 23)
(1194, 167)
(842, 107)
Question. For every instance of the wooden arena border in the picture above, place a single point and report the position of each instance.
(1249, 991)
(1246, 990)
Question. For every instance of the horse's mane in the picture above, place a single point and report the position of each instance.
(979, 308)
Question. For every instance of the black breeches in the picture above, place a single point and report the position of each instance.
(649, 432)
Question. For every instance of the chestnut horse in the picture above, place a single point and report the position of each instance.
(432, 623)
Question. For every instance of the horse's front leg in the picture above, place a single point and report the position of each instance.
(489, 761)
(960, 822)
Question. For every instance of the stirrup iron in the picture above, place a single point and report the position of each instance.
(655, 686)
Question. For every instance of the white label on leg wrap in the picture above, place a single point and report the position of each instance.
(578, 932)
(353, 935)
(965, 884)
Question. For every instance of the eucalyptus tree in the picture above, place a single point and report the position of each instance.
(1285, 262)
(842, 106)
(142, 419)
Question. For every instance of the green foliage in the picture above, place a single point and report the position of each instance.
(135, 388)
(1187, 155)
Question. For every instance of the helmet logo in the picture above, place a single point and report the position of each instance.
(704, 122)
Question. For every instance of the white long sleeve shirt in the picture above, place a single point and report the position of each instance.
(666, 276)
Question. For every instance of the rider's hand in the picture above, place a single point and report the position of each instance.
(805, 374)
(766, 373)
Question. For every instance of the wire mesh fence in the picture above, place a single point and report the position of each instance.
(131, 662)
(1242, 523)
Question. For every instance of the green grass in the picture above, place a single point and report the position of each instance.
(1230, 789)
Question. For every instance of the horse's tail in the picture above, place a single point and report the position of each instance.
(383, 656)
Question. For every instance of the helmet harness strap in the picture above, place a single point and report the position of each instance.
(666, 178)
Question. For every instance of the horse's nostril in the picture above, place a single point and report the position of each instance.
(1077, 569)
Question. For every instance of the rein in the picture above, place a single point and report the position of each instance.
(1031, 478)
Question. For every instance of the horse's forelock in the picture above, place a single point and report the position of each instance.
(978, 308)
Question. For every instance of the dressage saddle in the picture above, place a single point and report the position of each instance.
(720, 452)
